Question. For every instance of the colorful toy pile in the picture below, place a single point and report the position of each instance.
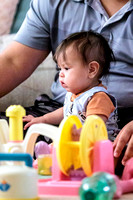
(83, 167)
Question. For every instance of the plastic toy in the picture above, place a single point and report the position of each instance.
(79, 154)
(15, 114)
(105, 186)
(68, 163)
(18, 182)
(45, 164)
(94, 152)
(99, 186)
(71, 160)
(12, 139)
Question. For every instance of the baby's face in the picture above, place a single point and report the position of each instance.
(73, 74)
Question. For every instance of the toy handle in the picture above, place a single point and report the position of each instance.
(17, 157)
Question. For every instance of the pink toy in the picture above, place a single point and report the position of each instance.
(61, 184)
(126, 184)
(123, 186)
(103, 157)
(128, 170)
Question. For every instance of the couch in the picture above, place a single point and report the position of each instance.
(40, 81)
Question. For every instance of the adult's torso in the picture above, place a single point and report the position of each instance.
(60, 18)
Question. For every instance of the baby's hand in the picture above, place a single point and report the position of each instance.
(32, 120)
(27, 118)
(75, 133)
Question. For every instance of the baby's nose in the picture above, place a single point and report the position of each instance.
(61, 74)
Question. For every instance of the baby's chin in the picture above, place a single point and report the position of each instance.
(73, 91)
(69, 90)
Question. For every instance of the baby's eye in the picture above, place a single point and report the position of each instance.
(67, 68)
(58, 68)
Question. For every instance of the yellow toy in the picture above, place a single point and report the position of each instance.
(15, 130)
(45, 164)
(79, 154)
(15, 114)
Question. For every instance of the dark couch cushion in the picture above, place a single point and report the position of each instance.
(22, 9)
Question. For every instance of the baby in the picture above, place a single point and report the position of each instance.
(83, 59)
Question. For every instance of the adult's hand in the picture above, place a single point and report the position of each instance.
(125, 136)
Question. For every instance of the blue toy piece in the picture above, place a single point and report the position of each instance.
(17, 157)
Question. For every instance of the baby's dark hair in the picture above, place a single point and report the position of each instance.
(91, 46)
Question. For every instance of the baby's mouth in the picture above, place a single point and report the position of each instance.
(63, 84)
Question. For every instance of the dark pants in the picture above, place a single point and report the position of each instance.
(125, 115)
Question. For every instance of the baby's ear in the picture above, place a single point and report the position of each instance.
(93, 69)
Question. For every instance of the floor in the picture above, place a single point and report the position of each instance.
(124, 197)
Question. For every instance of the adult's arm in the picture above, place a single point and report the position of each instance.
(17, 63)
(125, 136)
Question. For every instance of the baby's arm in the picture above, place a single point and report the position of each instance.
(104, 118)
(53, 118)
(100, 105)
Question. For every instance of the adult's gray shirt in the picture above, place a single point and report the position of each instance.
(48, 22)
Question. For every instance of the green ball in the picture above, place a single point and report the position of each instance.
(99, 186)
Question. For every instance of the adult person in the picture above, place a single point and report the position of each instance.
(48, 22)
